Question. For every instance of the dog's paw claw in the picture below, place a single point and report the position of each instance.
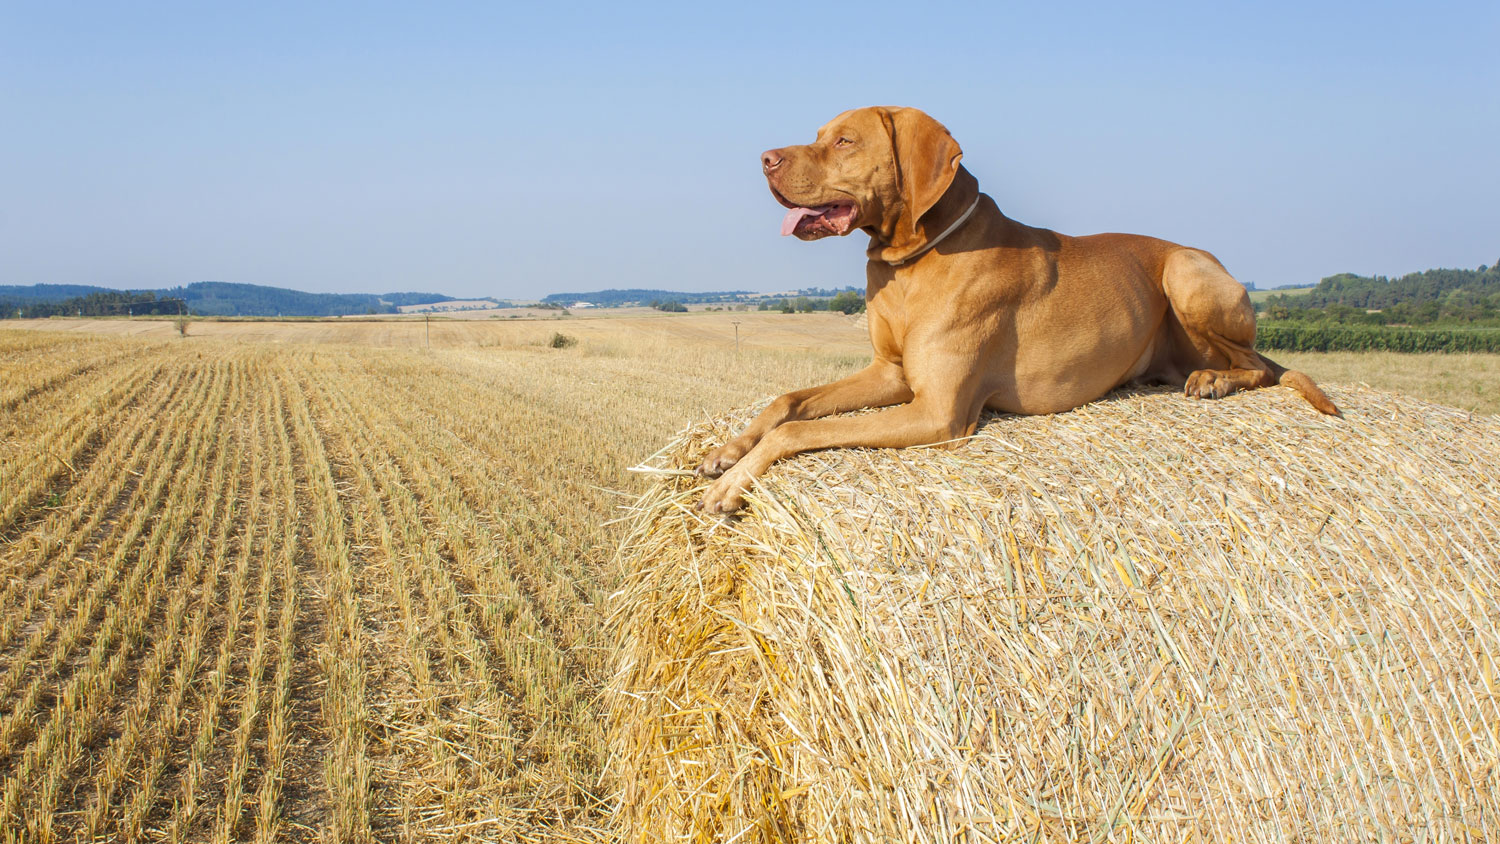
(724, 497)
(716, 464)
(1209, 384)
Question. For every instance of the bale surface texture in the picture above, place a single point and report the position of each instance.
(1148, 619)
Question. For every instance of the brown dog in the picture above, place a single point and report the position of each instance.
(969, 309)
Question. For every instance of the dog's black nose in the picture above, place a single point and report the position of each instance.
(771, 159)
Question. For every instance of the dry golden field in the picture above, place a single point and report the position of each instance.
(615, 330)
(313, 591)
(1469, 381)
(322, 581)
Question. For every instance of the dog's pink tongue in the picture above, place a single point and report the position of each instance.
(794, 216)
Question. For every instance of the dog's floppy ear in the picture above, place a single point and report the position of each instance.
(926, 160)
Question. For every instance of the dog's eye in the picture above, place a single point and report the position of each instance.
(843, 142)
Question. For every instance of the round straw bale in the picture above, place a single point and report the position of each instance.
(1147, 619)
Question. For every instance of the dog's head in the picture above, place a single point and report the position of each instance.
(878, 169)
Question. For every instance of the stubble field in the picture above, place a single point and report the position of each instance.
(320, 581)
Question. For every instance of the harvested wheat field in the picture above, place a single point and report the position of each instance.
(255, 592)
(822, 332)
(1150, 619)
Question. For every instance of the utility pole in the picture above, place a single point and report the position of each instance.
(428, 320)
(736, 336)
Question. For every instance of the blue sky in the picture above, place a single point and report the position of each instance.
(513, 151)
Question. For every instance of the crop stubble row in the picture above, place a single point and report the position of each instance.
(317, 593)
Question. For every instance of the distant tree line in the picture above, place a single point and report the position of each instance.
(100, 303)
(827, 292)
(1432, 311)
(1430, 298)
(846, 301)
(21, 294)
(635, 296)
(218, 298)
(211, 298)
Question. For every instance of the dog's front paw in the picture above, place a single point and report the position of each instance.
(721, 460)
(726, 495)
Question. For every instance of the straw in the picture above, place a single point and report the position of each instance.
(1149, 619)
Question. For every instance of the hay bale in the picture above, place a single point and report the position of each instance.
(1148, 619)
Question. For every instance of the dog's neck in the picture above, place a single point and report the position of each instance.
(940, 222)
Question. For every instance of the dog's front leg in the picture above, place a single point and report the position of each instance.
(918, 423)
(878, 385)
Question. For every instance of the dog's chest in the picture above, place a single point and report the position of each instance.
(888, 322)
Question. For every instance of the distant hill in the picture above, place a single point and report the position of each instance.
(624, 298)
(1443, 297)
(208, 298)
(97, 302)
(1357, 291)
(218, 298)
(47, 292)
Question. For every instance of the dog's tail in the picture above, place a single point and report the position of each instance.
(1303, 385)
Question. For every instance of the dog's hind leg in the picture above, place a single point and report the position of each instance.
(1214, 327)
(1213, 333)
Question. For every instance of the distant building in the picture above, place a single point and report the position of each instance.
(582, 305)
